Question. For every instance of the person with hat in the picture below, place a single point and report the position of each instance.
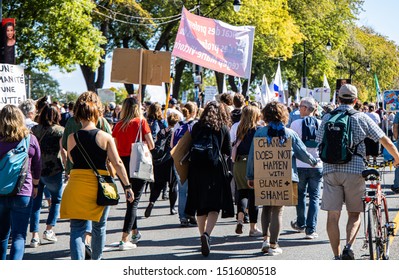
(343, 183)
(173, 109)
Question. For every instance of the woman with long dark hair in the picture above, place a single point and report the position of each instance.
(49, 133)
(208, 186)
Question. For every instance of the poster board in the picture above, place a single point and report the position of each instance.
(179, 154)
(210, 93)
(106, 95)
(273, 173)
(126, 67)
(390, 100)
(322, 95)
(12, 85)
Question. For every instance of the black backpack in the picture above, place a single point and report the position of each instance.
(337, 145)
(161, 151)
(309, 130)
(205, 147)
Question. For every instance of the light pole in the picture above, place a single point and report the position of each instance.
(305, 54)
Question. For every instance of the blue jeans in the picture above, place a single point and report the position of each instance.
(182, 199)
(14, 217)
(310, 180)
(54, 186)
(98, 237)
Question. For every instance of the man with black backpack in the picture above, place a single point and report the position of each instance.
(341, 147)
(310, 177)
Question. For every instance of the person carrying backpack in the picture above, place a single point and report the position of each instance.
(310, 177)
(15, 208)
(208, 181)
(190, 112)
(343, 159)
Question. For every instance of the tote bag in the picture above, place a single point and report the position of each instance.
(140, 166)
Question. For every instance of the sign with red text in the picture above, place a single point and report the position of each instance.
(215, 45)
(12, 85)
(273, 173)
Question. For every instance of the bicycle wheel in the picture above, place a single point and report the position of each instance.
(385, 231)
(372, 230)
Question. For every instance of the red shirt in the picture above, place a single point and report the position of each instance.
(126, 136)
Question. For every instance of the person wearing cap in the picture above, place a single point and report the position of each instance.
(343, 183)
(173, 109)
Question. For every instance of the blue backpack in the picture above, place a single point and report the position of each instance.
(14, 168)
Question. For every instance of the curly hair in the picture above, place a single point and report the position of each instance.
(275, 112)
(249, 118)
(12, 124)
(214, 116)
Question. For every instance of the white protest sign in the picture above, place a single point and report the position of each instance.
(12, 85)
(210, 93)
(106, 95)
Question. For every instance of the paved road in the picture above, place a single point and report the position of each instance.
(164, 239)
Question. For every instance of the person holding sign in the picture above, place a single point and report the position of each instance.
(275, 138)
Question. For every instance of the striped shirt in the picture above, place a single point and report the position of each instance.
(362, 126)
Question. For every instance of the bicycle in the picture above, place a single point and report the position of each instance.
(377, 226)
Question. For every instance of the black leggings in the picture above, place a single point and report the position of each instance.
(246, 199)
(130, 222)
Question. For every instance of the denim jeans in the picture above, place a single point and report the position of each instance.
(98, 237)
(54, 186)
(14, 217)
(310, 180)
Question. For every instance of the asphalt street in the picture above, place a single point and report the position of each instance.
(164, 239)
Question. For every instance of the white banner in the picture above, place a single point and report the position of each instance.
(12, 85)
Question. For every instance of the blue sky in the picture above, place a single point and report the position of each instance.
(381, 15)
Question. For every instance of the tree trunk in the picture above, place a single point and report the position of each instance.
(219, 81)
(89, 77)
(179, 73)
(232, 84)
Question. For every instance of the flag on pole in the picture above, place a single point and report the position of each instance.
(297, 97)
(266, 95)
(224, 90)
(377, 88)
(278, 86)
(239, 86)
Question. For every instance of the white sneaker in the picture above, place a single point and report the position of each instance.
(313, 235)
(274, 251)
(255, 233)
(34, 243)
(136, 238)
(265, 246)
(123, 246)
(49, 235)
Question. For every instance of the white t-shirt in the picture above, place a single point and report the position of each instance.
(374, 116)
(297, 127)
(233, 132)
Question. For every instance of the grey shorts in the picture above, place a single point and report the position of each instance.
(340, 188)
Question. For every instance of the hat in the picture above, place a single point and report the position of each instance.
(347, 91)
(112, 105)
(173, 101)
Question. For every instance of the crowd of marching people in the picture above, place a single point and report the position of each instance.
(220, 145)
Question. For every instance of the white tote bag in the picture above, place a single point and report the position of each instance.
(140, 166)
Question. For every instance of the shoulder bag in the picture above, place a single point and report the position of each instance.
(141, 166)
(107, 193)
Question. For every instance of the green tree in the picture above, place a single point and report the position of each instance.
(42, 84)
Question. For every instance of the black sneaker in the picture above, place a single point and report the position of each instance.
(347, 254)
(192, 221)
(395, 189)
(205, 248)
(148, 210)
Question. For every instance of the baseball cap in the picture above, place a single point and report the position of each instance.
(347, 91)
(173, 101)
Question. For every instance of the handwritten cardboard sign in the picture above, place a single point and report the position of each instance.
(12, 85)
(272, 174)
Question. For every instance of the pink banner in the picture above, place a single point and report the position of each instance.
(215, 45)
